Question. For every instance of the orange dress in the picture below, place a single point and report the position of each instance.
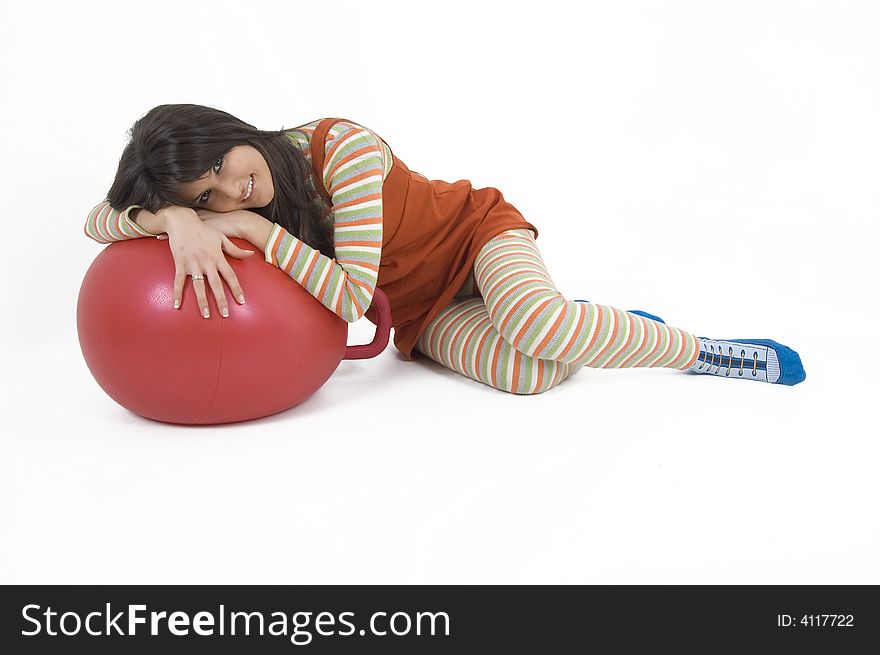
(432, 232)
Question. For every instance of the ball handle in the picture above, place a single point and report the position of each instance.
(383, 329)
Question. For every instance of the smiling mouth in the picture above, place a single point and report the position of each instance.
(252, 184)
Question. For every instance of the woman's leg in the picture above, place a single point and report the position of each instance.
(463, 338)
(530, 314)
(522, 336)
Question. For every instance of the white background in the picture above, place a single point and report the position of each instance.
(712, 163)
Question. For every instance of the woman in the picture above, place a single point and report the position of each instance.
(331, 205)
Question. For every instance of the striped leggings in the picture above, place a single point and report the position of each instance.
(518, 334)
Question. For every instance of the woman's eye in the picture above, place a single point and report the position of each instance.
(218, 165)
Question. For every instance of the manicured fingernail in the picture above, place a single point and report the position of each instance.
(225, 312)
(241, 299)
(176, 304)
(205, 313)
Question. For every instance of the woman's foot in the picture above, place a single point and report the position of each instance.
(762, 360)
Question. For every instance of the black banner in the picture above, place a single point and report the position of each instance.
(438, 619)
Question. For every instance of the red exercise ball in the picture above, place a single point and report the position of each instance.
(174, 365)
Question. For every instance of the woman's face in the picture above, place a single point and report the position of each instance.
(222, 188)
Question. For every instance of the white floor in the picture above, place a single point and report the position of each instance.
(403, 472)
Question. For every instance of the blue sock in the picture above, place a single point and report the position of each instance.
(762, 360)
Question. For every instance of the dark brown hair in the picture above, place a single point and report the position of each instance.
(176, 144)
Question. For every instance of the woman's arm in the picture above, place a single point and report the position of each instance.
(106, 225)
(355, 165)
(240, 223)
(257, 229)
(154, 223)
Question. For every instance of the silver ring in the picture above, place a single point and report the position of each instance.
(198, 277)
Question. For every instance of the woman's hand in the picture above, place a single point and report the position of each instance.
(240, 223)
(231, 224)
(197, 248)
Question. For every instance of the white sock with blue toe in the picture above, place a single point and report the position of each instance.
(762, 360)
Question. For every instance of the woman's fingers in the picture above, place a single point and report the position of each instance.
(213, 270)
(219, 294)
(232, 249)
(199, 287)
(232, 280)
(201, 296)
(179, 280)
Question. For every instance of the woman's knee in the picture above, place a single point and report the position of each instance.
(522, 301)
(530, 376)
(538, 323)
(464, 339)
